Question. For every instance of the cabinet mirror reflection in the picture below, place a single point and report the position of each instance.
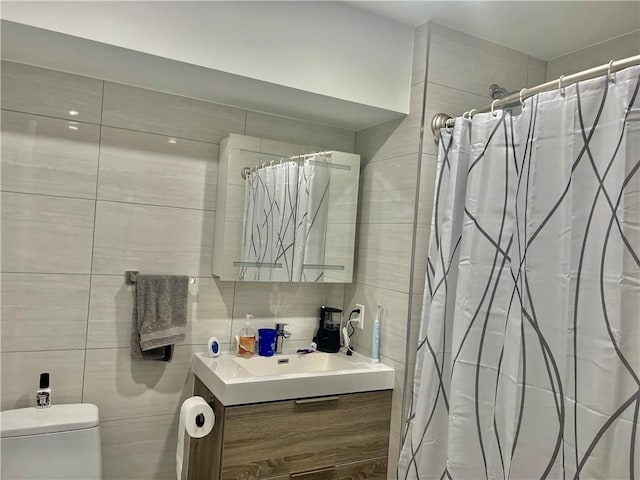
(285, 212)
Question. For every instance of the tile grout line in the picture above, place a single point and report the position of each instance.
(107, 201)
(115, 127)
(486, 97)
(93, 245)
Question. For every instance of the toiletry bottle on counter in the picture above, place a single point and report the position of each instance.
(43, 394)
(246, 339)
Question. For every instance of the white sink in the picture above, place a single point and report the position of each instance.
(237, 381)
(288, 364)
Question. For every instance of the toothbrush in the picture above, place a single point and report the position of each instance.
(375, 342)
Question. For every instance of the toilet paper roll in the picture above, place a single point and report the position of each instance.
(197, 419)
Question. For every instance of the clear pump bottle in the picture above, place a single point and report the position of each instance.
(246, 339)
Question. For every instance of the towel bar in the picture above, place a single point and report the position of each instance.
(130, 277)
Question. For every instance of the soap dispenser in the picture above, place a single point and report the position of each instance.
(246, 339)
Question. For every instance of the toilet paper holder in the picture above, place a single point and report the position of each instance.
(200, 416)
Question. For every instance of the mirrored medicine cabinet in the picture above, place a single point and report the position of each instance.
(285, 212)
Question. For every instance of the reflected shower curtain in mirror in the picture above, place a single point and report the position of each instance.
(528, 359)
(285, 215)
(313, 212)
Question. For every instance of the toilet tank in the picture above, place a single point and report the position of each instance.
(62, 441)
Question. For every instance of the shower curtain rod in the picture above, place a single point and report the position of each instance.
(442, 120)
(294, 158)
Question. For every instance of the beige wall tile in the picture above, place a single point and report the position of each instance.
(393, 325)
(155, 112)
(295, 131)
(388, 190)
(377, 141)
(420, 46)
(471, 64)
(146, 168)
(420, 260)
(394, 455)
(46, 234)
(152, 239)
(125, 388)
(537, 72)
(384, 255)
(444, 99)
(298, 305)
(48, 92)
(428, 171)
(417, 306)
(139, 448)
(600, 54)
(44, 312)
(395, 138)
(49, 156)
(398, 396)
(110, 313)
(21, 374)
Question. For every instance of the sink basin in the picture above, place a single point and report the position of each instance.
(238, 381)
(288, 364)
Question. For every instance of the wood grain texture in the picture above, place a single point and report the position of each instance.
(266, 440)
(374, 469)
(205, 453)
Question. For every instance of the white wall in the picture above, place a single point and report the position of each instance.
(322, 47)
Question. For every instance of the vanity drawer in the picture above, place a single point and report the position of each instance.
(295, 436)
(375, 469)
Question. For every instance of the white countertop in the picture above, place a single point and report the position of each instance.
(236, 381)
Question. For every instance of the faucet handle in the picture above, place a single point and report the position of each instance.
(280, 331)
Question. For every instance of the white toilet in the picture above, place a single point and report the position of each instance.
(62, 441)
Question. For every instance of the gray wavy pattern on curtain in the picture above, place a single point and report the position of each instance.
(529, 349)
(285, 220)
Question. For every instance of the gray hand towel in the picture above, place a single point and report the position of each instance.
(159, 316)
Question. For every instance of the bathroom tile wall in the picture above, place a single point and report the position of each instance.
(388, 186)
(614, 49)
(128, 183)
(452, 72)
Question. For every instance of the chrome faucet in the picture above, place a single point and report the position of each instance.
(281, 334)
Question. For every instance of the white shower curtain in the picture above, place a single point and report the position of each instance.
(529, 348)
(285, 216)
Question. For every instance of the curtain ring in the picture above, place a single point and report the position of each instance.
(471, 112)
(560, 87)
(464, 115)
(612, 76)
(522, 101)
(492, 107)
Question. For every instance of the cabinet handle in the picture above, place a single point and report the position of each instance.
(311, 473)
(317, 400)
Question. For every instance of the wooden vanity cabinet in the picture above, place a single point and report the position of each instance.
(324, 438)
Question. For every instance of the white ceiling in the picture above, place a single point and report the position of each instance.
(543, 29)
